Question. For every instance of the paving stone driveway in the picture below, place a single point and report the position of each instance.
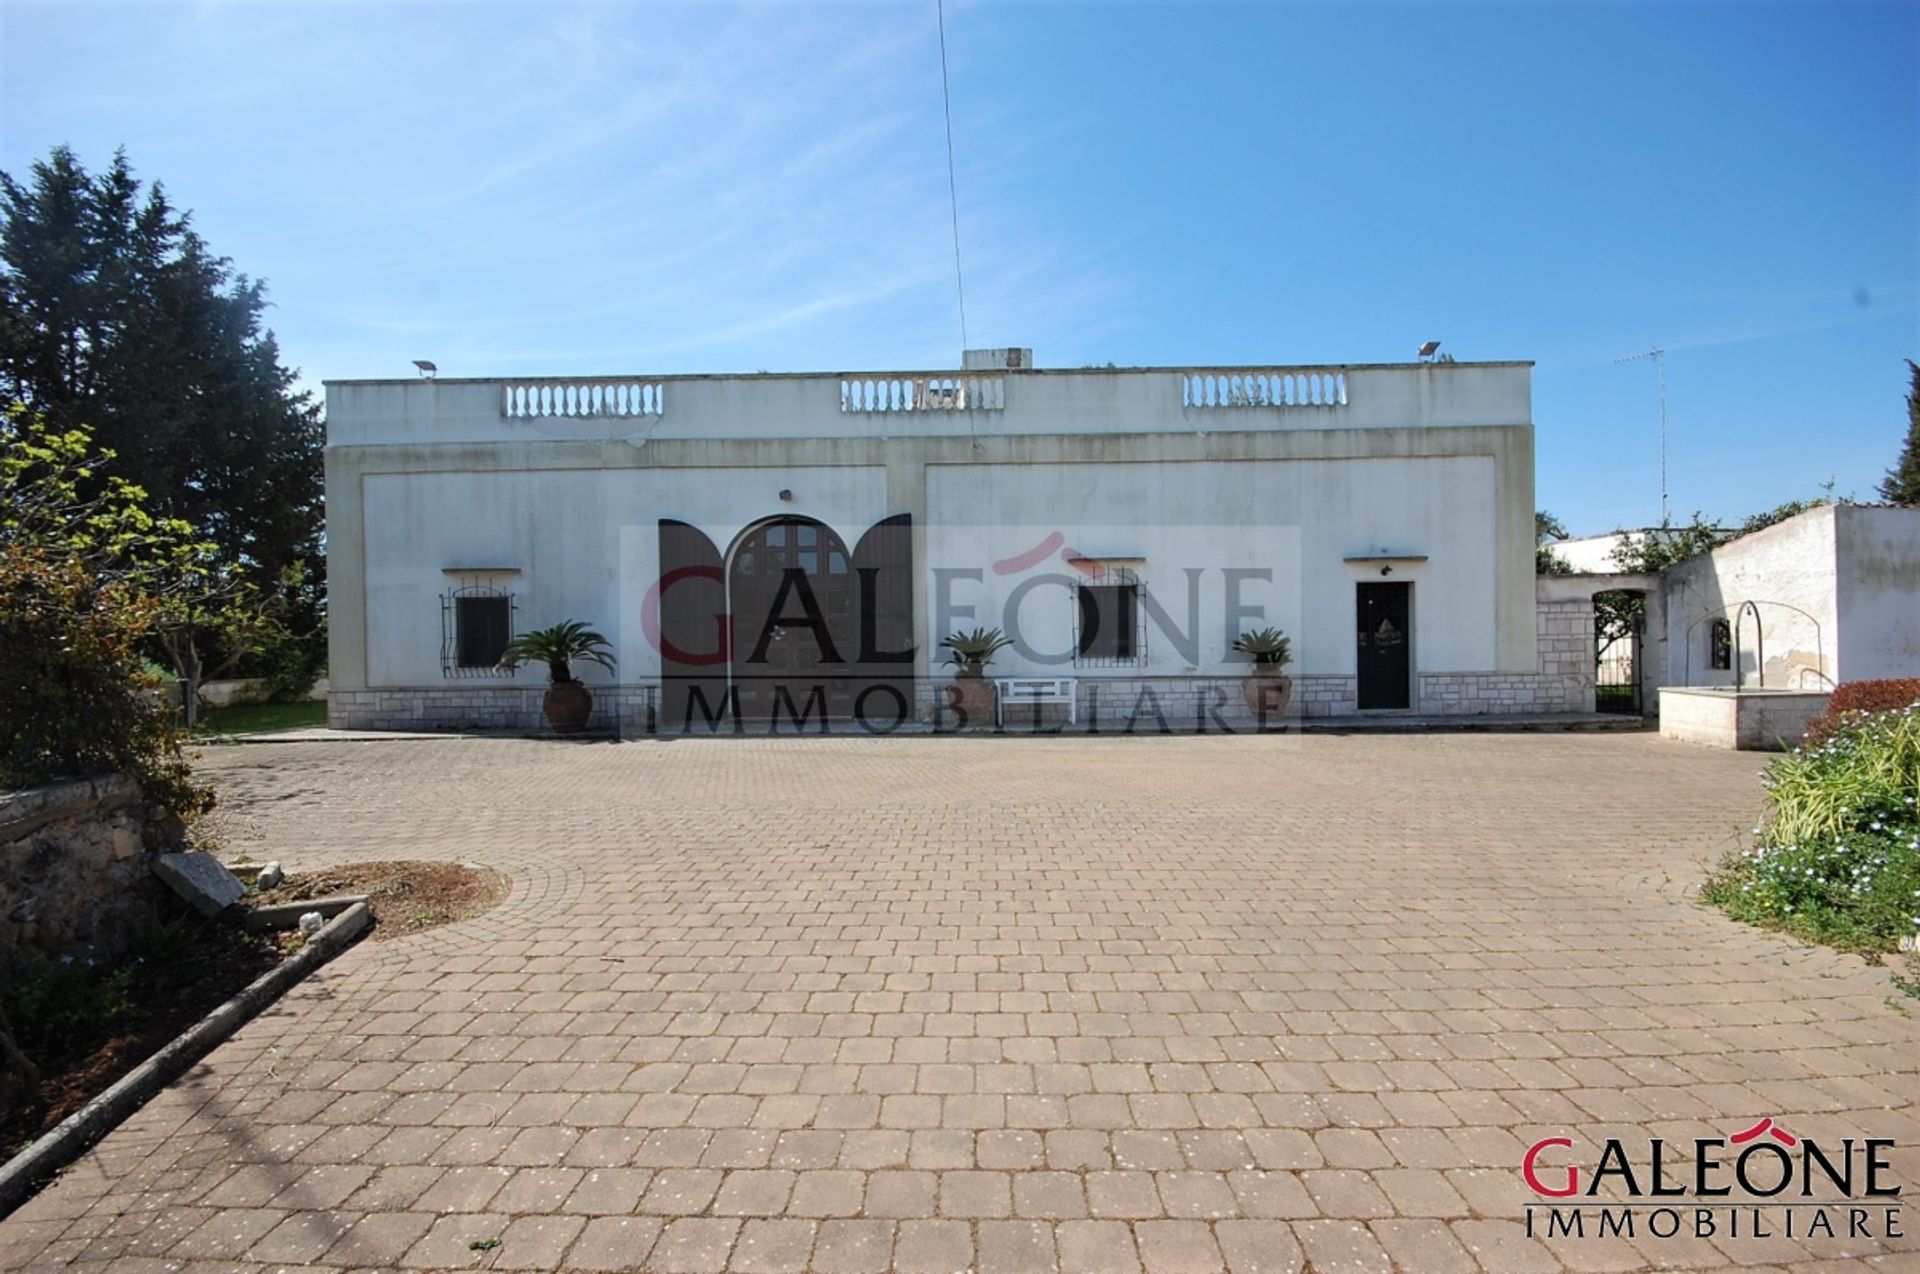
(940, 1004)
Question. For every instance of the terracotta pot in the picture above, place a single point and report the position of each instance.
(567, 705)
(972, 694)
(1267, 692)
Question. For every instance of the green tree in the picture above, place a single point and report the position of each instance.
(87, 574)
(1902, 483)
(114, 314)
(1655, 549)
(1649, 552)
(1547, 529)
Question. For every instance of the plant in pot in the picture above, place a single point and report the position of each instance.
(970, 653)
(1266, 690)
(568, 704)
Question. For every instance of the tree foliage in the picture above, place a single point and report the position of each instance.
(1547, 529)
(1646, 552)
(1902, 483)
(87, 574)
(115, 315)
(1618, 614)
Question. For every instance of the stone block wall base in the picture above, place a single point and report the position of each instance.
(74, 867)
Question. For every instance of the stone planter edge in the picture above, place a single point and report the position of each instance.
(21, 1176)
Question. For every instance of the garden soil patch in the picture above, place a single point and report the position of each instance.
(212, 963)
(406, 897)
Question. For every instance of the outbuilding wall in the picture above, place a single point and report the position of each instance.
(1878, 555)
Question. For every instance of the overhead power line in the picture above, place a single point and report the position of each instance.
(953, 186)
(1659, 356)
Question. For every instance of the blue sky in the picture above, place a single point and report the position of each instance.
(520, 188)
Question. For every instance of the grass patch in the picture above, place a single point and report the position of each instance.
(1837, 860)
(256, 718)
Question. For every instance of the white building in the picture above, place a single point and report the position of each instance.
(756, 544)
(1594, 554)
(1829, 595)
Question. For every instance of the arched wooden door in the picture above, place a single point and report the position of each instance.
(791, 594)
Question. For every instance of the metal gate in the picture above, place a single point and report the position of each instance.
(1616, 671)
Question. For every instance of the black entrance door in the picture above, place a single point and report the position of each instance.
(792, 595)
(1385, 663)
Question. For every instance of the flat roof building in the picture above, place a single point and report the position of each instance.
(755, 545)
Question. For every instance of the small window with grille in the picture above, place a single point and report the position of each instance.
(1107, 627)
(1720, 645)
(476, 623)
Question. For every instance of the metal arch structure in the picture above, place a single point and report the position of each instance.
(1742, 609)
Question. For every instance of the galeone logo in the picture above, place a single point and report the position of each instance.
(1759, 1182)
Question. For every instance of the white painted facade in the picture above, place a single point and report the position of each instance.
(1830, 595)
(554, 493)
(1592, 554)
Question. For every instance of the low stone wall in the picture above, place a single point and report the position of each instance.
(74, 864)
(1109, 703)
(225, 694)
(1742, 720)
(622, 710)
(1562, 681)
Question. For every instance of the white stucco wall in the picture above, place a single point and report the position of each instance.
(585, 544)
(1591, 554)
(1299, 521)
(1853, 570)
(1879, 586)
(1133, 400)
(1787, 571)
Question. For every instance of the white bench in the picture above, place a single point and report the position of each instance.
(1020, 690)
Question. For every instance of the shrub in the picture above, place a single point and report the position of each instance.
(1863, 696)
(1837, 859)
(1859, 892)
(971, 652)
(292, 662)
(82, 585)
(74, 697)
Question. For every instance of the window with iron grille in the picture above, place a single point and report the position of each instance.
(1107, 630)
(1720, 645)
(476, 623)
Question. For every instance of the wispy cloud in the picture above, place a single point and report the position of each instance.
(599, 186)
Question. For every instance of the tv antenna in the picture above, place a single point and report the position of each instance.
(1659, 357)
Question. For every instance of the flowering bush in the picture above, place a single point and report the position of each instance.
(1838, 858)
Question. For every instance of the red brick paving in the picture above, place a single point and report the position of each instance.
(994, 1004)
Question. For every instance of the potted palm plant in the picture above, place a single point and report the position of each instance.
(1266, 690)
(970, 653)
(567, 704)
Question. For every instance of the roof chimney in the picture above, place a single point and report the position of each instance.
(996, 360)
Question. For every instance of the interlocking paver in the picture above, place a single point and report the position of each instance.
(982, 1004)
(853, 1247)
(1096, 1247)
(614, 1243)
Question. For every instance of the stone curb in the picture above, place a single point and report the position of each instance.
(412, 736)
(1445, 723)
(285, 915)
(21, 1175)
